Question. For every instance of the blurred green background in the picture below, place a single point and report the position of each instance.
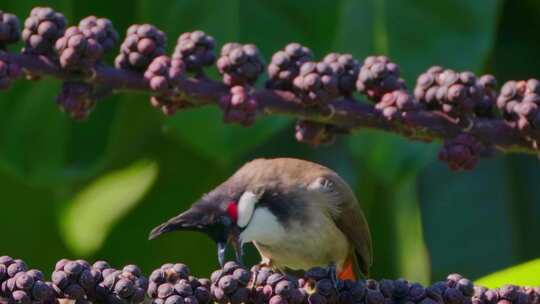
(95, 189)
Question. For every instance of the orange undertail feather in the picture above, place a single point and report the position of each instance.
(347, 272)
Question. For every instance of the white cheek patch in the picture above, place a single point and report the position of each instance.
(246, 206)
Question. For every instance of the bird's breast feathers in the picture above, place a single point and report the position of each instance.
(302, 245)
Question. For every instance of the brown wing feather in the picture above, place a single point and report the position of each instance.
(351, 220)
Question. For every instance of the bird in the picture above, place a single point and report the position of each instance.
(298, 214)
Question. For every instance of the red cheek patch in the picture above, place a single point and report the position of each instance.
(232, 211)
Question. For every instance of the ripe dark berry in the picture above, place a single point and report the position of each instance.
(509, 292)
(41, 29)
(314, 133)
(20, 297)
(346, 68)
(240, 64)
(164, 76)
(143, 43)
(461, 152)
(183, 288)
(69, 277)
(76, 99)
(8, 72)
(519, 101)
(466, 287)
(457, 94)
(316, 298)
(387, 288)
(374, 297)
(392, 103)
(27, 286)
(100, 30)
(77, 51)
(9, 268)
(9, 29)
(416, 292)
(400, 288)
(485, 106)
(453, 296)
(285, 66)
(196, 49)
(125, 286)
(239, 106)
(172, 283)
(316, 83)
(378, 75)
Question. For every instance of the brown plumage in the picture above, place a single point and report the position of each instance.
(297, 213)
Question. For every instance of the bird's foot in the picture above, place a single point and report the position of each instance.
(266, 262)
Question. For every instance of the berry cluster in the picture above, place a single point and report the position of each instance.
(9, 267)
(28, 287)
(519, 102)
(196, 50)
(8, 72)
(76, 99)
(142, 44)
(395, 101)
(314, 133)
(456, 94)
(74, 279)
(164, 76)
(317, 83)
(173, 284)
(346, 69)
(285, 66)
(239, 106)
(276, 288)
(230, 284)
(127, 286)
(323, 290)
(100, 30)
(78, 51)
(378, 76)
(9, 29)
(461, 152)
(240, 64)
(41, 30)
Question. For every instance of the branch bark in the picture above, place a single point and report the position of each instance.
(347, 113)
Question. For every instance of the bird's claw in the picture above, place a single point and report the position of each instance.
(221, 250)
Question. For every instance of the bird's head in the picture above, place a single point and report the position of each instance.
(221, 214)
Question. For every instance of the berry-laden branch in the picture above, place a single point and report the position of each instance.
(468, 113)
(81, 282)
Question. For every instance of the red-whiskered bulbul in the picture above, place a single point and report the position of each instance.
(298, 214)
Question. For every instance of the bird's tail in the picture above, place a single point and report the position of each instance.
(348, 270)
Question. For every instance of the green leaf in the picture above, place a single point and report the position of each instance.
(525, 274)
(204, 130)
(95, 210)
(465, 218)
(455, 34)
(412, 253)
(33, 133)
(388, 157)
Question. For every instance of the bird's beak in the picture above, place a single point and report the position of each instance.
(224, 232)
(188, 220)
(233, 239)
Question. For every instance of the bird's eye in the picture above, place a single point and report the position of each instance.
(232, 211)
